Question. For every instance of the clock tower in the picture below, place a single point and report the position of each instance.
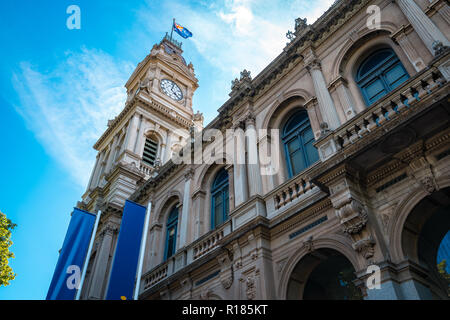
(154, 124)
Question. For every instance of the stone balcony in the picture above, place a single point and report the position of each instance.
(412, 97)
(203, 246)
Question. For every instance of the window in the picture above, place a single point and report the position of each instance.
(171, 233)
(219, 199)
(150, 152)
(379, 74)
(298, 139)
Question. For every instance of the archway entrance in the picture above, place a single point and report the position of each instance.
(324, 274)
(425, 241)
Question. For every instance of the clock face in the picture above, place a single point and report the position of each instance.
(171, 89)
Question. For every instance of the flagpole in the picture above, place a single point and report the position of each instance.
(88, 255)
(142, 251)
(171, 32)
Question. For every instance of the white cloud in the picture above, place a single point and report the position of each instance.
(68, 108)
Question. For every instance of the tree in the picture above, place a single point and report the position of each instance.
(6, 272)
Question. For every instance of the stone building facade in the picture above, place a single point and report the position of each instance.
(363, 179)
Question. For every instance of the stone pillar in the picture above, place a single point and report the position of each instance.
(348, 105)
(425, 28)
(167, 150)
(313, 116)
(327, 108)
(99, 169)
(254, 172)
(230, 171)
(198, 203)
(402, 39)
(239, 167)
(138, 147)
(112, 153)
(100, 268)
(130, 139)
(91, 179)
(186, 209)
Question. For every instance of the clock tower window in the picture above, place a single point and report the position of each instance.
(150, 152)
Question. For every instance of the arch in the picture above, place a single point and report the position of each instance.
(279, 109)
(171, 198)
(397, 221)
(337, 242)
(352, 45)
(353, 52)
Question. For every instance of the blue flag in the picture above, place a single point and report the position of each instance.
(182, 31)
(72, 256)
(124, 267)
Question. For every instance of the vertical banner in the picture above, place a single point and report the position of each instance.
(124, 267)
(66, 277)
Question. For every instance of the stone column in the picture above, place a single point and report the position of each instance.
(130, 139)
(91, 179)
(186, 209)
(254, 172)
(239, 167)
(230, 171)
(402, 39)
(168, 150)
(345, 97)
(112, 153)
(101, 264)
(198, 204)
(425, 28)
(138, 147)
(327, 108)
(99, 169)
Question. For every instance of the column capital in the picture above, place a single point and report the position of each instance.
(250, 119)
(189, 174)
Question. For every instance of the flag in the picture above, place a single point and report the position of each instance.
(125, 263)
(67, 275)
(182, 31)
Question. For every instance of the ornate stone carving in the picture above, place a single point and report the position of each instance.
(428, 184)
(250, 288)
(244, 82)
(308, 244)
(226, 269)
(365, 247)
(300, 24)
(353, 216)
(439, 48)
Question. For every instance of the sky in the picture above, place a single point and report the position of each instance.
(59, 87)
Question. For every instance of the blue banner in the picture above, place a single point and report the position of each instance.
(124, 267)
(72, 256)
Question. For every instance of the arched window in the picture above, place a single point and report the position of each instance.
(379, 74)
(298, 139)
(150, 151)
(219, 199)
(171, 233)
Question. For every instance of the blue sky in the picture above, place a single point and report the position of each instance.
(58, 88)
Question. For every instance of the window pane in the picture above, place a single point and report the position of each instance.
(374, 90)
(297, 162)
(293, 145)
(307, 135)
(311, 153)
(396, 76)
